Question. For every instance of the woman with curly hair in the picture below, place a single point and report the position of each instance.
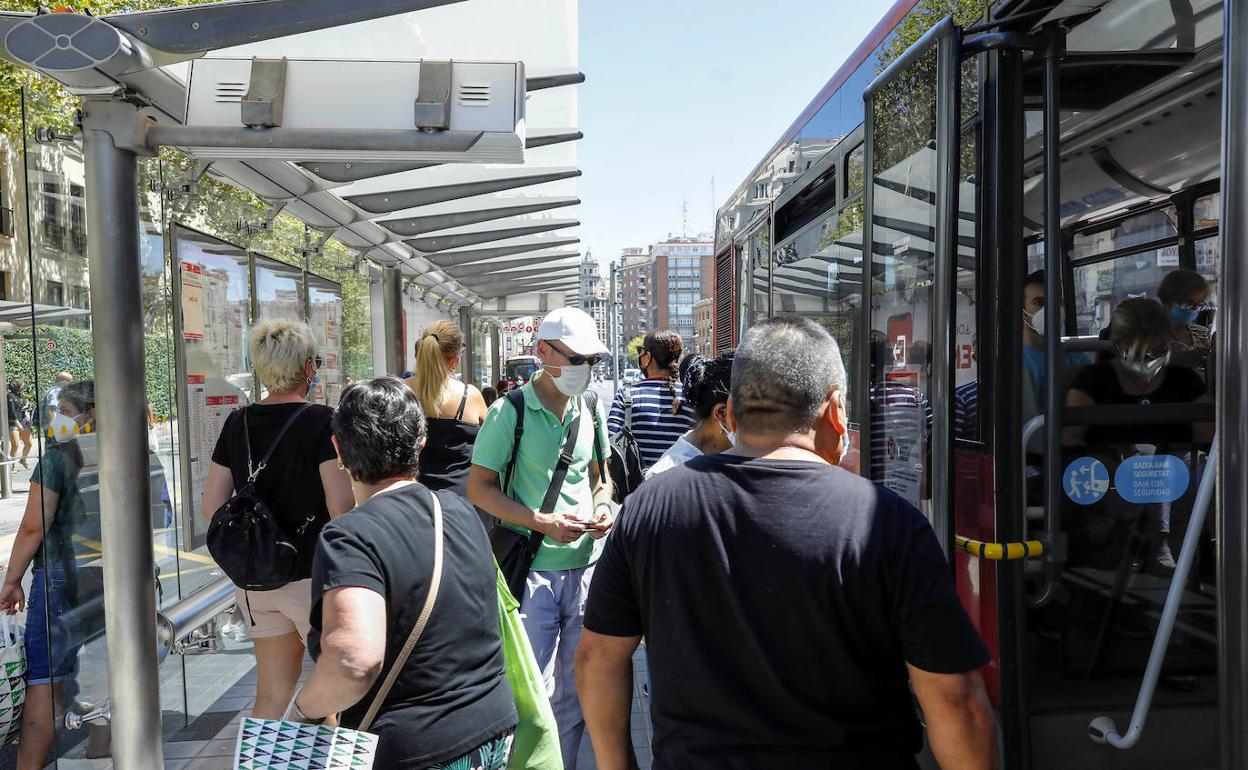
(706, 387)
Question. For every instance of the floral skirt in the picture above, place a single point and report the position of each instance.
(491, 755)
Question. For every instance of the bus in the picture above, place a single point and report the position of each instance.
(969, 161)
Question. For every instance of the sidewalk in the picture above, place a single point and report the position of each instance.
(208, 742)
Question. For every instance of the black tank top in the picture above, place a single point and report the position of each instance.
(447, 454)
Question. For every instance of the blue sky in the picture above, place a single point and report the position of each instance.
(680, 91)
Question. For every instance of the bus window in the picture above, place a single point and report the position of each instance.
(1102, 286)
(1207, 211)
(818, 274)
(760, 266)
(854, 171)
(1156, 225)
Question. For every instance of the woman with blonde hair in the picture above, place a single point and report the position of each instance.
(455, 410)
(303, 487)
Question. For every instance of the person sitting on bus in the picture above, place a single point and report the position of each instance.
(1186, 295)
(706, 382)
(839, 601)
(1141, 373)
(656, 412)
(454, 410)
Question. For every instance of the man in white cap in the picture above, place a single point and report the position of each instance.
(546, 485)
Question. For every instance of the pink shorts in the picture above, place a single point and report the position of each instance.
(278, 612)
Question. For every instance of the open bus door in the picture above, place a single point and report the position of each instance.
(1053, 515)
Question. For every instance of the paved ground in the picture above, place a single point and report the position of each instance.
(209, 742)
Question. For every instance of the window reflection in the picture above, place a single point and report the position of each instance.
(1135, 231)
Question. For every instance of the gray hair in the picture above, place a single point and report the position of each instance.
(782, 374)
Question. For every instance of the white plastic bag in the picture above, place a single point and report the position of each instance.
(12, 677)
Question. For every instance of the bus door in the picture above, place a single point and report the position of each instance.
(1104, 420)
(911, 126)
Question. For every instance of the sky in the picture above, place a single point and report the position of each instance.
(678, 92)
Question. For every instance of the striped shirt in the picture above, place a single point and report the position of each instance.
(653, 424)
(901, 426)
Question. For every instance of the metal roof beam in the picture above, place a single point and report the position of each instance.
(520, 276)
(450, 259)
(409, 226)
(509, 288)
(345, 172)
(438, 243)
(545, 140)
(532, 260)
(397, 200)
(542, 82)
(197, 29)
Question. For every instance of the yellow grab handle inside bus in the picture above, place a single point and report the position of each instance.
(999, 551)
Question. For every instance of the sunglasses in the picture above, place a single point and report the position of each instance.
(577, 359)
(317, 362)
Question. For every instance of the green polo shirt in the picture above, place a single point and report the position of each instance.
(543, 437)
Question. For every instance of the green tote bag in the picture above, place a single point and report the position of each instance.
(536, 743)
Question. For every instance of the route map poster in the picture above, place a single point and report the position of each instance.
(211, 346)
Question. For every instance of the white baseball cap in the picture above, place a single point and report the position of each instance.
(574, 328)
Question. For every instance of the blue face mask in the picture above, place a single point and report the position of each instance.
(1181, 317)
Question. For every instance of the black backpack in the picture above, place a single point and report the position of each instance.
(245, 538)
(625, 464)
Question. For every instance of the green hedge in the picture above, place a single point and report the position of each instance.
(71, 351)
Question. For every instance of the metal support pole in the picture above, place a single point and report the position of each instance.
(1232, 535)
(468, 359)
(496, 341)
(392, 312)
(126, 533)
(943, 296)
(614, 334)
(1053, 354)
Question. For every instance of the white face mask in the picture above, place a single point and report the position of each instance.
(728, 434)
(1144, 370)
(572, 380)
(1036, 322)
(63, 428)
(844, 448)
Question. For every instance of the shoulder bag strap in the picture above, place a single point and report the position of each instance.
(556, 481)
(421, 621)
(254, 473)
(561, 468)
(463, 402)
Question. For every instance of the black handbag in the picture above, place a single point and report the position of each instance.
(246, 539)
(515, 551)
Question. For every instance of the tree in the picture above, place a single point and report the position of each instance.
(634, 349)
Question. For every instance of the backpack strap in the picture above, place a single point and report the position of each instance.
(591, 402)
(254, 473)
(516, 397)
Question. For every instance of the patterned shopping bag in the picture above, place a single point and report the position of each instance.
(12, 678)
(274, 744)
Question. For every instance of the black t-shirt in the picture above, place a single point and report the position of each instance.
(780, 601)
(1179, 385)
(291, 483)
(452, 695)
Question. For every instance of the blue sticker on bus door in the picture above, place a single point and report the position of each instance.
(1086, 480)
(1151, 479)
